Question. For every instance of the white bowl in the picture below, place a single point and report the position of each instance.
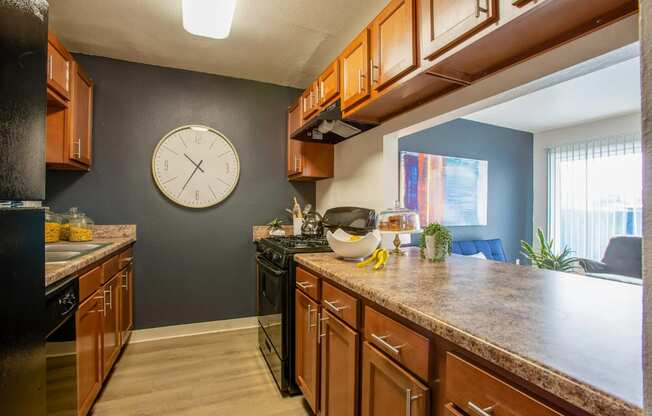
(340, 242)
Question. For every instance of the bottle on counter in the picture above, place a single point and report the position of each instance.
(52, 226)
(81, 228)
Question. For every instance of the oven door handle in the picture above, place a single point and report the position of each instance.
(269, 266)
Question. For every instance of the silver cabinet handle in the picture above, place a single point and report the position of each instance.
(409, 398)
(396, 349)
(126, 284)
(479, 9)
(50, 75)
(488, 411)
(372, 69)
(78, 145)
(103, 304)
(127, 259)
(333, 305)
(67, 76)
(309, 317)
(305, 285)
(319, 330)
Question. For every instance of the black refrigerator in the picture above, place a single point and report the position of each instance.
(23, 50)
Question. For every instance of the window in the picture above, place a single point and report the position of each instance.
(594, 193)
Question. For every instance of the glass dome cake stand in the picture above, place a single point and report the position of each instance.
(398, 221)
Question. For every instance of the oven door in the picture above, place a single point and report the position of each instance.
(272, 302)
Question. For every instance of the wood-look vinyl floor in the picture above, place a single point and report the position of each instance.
(203, 375)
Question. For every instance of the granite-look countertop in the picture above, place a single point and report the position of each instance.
(576, 337)
(117, 237)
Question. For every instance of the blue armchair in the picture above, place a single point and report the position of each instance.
(492, 249)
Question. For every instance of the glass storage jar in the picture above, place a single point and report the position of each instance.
(52, 226)
(81, 228)
(65, 222)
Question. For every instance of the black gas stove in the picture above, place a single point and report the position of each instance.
(276, 282)
(276, 285)
(279, 250)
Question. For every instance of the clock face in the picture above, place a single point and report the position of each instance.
(195, 166)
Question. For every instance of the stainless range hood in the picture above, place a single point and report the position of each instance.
(328, 127)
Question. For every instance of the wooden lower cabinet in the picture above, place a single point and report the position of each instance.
(89, 351)
(339, 368)
(110, 324)
(307, 352)
(388, 390)
(126, 303)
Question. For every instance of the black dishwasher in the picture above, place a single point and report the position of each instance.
(62, 300)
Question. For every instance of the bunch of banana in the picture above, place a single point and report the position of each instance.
(379, 255)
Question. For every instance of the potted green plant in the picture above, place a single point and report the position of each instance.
(436, 242)
(545, 257)
(275, 227)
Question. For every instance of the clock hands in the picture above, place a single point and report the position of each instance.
(197, 167)
(193, 162)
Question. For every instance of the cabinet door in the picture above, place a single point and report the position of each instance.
(110, 324)
(339, 368)
(82, 115)
(126, 303)
(445, 23)
(310, 101)
(294, 146)
(354, 63)
(59, 67)
(329, 84)
(389, 390)
(306, 354)
(89, 351)
(393, 43)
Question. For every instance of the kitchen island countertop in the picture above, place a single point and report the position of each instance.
(575, 337)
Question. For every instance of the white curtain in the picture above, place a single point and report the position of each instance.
(594, 193)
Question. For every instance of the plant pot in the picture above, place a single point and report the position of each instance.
(435, 251)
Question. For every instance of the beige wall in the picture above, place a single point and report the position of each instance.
(366, 165)
(630, 123)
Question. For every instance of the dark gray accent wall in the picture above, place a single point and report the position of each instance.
(510, 155)
(191, 265)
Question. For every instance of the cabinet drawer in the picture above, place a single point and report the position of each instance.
(110, 268)
(471, 389)
(340, 304)
(308, 283)
(89, 283)
(399, 342)
(126, 257)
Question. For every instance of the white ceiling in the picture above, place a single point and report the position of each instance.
(284, 42)
(609, 92)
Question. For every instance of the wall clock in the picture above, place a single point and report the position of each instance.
(195, 166)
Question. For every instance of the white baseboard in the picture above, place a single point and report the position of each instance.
(200, 328)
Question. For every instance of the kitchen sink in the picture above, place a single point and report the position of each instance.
(63, 252)
(85, 247)
(61, 256)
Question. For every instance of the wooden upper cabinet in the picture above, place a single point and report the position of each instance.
(59, 67)
(388, 390)
(110, 324)
(329, 84)
(81, 148)
(294, 146)
(306, 348)
(89, 352)
(310, 101)
(446, 23)
(339, 368)
(394, 49)
(354, 63)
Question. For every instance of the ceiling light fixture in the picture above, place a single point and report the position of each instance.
(208, 18)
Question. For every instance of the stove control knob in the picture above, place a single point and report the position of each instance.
(276, 257)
